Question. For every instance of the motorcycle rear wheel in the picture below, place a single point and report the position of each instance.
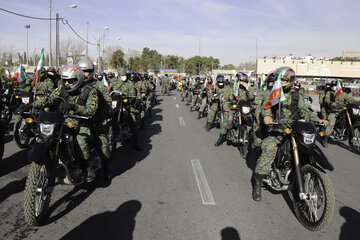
(355, 146)
(317, 184)
(243, 146)
(37, 195)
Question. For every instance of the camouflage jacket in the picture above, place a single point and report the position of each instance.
(336, 104)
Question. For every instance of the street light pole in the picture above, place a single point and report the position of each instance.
(27, 43)
(87, 39)
(50, 57)
(57, 53)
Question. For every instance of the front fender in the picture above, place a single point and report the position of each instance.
(319, 156)
(39, 153)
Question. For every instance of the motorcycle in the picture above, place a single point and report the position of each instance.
(119, 126)
(55, 159)
(2, 144)
(347, 126)
(241, 132)
(25, 124)
(299, 168)
(5, 104)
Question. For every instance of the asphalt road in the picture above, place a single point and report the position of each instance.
(178, 187)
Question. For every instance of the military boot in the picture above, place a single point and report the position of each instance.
(135, 143)
(325, 141)
(143, 123)
(256, 195)
(199, 115)
(190, 110)
(220, 140)
(208, 126)
(106, 168)
(149, 110)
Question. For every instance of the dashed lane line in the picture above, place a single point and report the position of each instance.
(174, 98)
(177, 105)
(182, 122)
(204, 188)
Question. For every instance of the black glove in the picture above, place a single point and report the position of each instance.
(138, 104)
(23, 108)
(69, 106)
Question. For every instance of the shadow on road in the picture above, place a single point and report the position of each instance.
(14, 162)
(12, 188)
(119, 224)
(71, 200)
(350, 229)
(230, 233)
(341, 144)
(126, 157)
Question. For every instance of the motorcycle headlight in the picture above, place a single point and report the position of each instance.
(25, 100)
(47, 129)
(356, 111)
(309, 138)
(245, 110)
(113, 104)
(6, 92)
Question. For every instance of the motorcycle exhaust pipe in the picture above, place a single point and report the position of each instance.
(297, 168)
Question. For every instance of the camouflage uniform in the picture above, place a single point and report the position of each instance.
(228, 97)
(204, 101)
(102, 122)
(87, 109)
(44, 88)
(322, 94)
(25, 86)
(339, 103)
(165, 85)
(141, 88)
(195, 96)
(128, 89)
(260, 101)
(269, 145)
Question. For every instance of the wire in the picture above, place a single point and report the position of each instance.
(25, 16)
(64, 21)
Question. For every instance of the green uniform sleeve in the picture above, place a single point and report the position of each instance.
(91, 105)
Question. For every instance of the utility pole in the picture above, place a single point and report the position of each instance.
(256, 58)
(57, 53)
(87, 39)
(98, 48)
(27, 43)
(50, 55)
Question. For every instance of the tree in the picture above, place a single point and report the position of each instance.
(228, 67)
(71, 48)
(46, 60)
(117, 59)
(10, 60)
(134, 64)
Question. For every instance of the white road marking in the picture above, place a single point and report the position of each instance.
(177, 105)
(204, 188)
(182, 122)
(174, 98)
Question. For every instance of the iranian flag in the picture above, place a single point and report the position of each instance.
(192, 81)
(206, 83)
(38, 69)
(19, 75)
(105, 83)
(277, 94)
(236, 89)
(338, 89)
(7, 74)
(213, 87)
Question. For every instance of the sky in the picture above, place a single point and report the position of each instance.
(228, 30)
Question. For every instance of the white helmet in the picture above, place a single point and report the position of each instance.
(87, 66)
(75, 75)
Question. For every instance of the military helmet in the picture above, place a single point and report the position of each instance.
(87, 65)
(110, 75)
(220, 81)
(287, 74)
(74, 75)
(243, 77)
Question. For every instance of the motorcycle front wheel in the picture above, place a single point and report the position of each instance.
(21, 138)
(316, 212)
(111, 140)
(354, 140)
(6, 118)
(243, 145)
(37, 195)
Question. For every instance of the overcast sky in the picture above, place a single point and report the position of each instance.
(228, 29)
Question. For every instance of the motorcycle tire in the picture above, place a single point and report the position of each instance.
(6, 120)
(243, 146)
(37, 195)
(21, 141)
(355, 147)
(1, 142)
(326, 201)
(111, 140)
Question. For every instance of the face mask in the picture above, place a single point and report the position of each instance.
(334, 88)
(123, 78)
(221, 84)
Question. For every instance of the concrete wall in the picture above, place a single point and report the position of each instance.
(316, 68)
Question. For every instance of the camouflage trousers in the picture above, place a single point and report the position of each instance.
(256, 126)
(184, 93)
(203, 104)
(323, 113)
(195, 98)
(269, 149)
(100, 134)
(332, 120)
(165, 88)
(149, 100)
(189, 97)
(228, 122)
(212, 111)
(83, 138)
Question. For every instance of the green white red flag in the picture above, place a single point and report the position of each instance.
(106, 83)
(236, 88)
(38, 70)
(338, 89)
(277, 94)
(19, 75)
(7, 74)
